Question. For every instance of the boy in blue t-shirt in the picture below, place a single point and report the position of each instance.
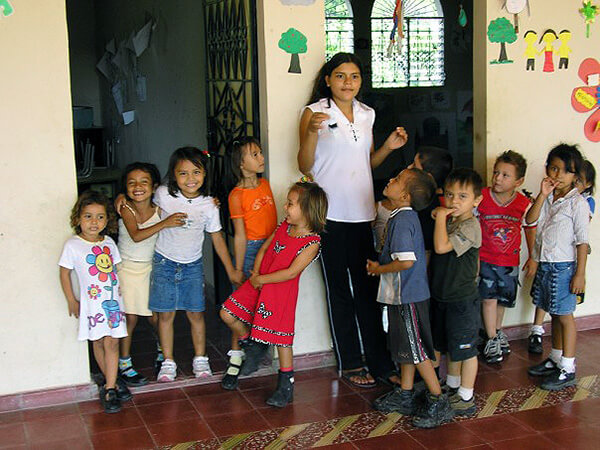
(403, 287)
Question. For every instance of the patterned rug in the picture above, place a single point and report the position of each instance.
(373, 423)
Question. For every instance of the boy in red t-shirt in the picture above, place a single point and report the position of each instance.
(501, 215)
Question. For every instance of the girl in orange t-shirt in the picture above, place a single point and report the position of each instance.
(254, 216)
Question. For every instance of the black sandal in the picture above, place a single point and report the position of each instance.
(363, 373)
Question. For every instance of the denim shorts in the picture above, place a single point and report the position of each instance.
(176, 286)
(252, 248)
(551, 289)
(499, 282)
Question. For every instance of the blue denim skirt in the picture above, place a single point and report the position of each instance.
(252, 248)
(551, 288)
(176, 286)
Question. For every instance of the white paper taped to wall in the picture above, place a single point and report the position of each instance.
(128, 117)
(142, 39)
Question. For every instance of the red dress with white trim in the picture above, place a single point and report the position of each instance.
(271, 310)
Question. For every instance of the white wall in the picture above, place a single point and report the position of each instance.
(530, 112)
(282, 96)
(39, 347)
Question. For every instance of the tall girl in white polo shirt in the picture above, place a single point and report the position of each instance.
(336, 148)
(561, 245)
(177, 280)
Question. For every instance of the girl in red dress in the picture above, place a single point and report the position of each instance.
(262, 311)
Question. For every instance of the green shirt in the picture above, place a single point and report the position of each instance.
(454, 274)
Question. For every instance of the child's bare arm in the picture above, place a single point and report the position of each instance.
(578, 280)
(374, 268)
(139, 234)
(239, 242)
(67, 287)
(235, 276)
(546, 187)
(298, 265)
(530, 265)
(441, 242)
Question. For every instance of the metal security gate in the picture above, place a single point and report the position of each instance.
(231, 95)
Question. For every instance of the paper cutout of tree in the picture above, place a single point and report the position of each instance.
(502, 31)
(294, 42)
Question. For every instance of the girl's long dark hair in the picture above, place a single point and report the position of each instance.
(198, 158)
(320, 88)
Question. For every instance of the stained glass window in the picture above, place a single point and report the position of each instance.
(419, 61)
(339, 29)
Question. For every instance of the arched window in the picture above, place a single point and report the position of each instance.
(339, 29)
(420, 60)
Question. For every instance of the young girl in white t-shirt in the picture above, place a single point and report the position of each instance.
(177, 279)
(138, 231)
(93, 255)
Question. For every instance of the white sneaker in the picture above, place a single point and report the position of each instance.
(168, 371)
(200, 367)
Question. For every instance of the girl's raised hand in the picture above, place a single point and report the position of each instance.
(547, 186)
(316, 121)
(120, 201)
(175, 220)
(396, 139)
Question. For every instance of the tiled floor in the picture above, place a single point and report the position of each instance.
(327, 412)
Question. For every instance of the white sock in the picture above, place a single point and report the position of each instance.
(465, 394)
(453, 381)
(555, 355)
(568, 364)
(235, 354)
(537, 329)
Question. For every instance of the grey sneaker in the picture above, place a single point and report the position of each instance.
(462, 408)
(438, 411)
(398, 400)
(504, 345)
(558, 380)
(492, 351)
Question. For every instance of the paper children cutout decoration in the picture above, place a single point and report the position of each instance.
(548, 38)
(515, 7)
(589, 11)
(462, 16)
(294, 42)
(502, 31)
(587, 98)
(563, 51)
(530, 37)
(6, 8)
(396, 30)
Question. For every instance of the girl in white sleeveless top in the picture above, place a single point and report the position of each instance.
(138, 230)
(337, 149)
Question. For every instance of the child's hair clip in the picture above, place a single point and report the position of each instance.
(205, 153)
(332, 125)
(306, 179)
(527, 194)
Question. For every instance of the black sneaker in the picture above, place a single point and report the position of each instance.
(437, 412)
(123, 392)
(535, 344)
(110, 400)
(400, 401)
(132, 377)
(255, 352)
(493, 351)
(545, 368)
(558, 380)
(504, 344)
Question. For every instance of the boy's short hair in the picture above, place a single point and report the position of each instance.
(436, 161)
(466, 177)
(421, 189)
(569, 154)
(514, 158)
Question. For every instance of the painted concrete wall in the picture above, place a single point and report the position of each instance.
(282, 96)
(38, 340)
(530, 112)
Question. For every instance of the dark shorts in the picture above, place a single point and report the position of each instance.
(499, 282)
(455, 327)
(409, 333)
(551, 288)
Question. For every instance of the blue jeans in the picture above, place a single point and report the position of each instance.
(176, 286)
(551, 288)
(252, 248)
